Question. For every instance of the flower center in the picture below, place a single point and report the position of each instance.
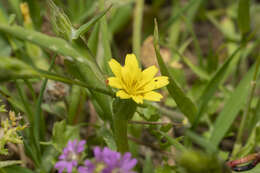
(99, 168)
(72, 156)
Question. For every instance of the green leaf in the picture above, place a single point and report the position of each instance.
(244, 16)
(10, 67)
(94, 39)
(181, 11)
(212, 87)
(107, 135)
(173, 142)
(12, 169)
(196, 69)
(38, 123)
(75, 99)
(5, 48)
(48, 156)
(164, 169)
(232, 106)
(81, 57)
(120, 18)
(55, 44)
(184, 103)
(9, 163)
(85, 28)
(62, 133)
(105, 41)
(148, 164)
(137, 27)
(251, 143)
(201, 141)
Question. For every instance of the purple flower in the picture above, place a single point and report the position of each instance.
(70, 156)
(87, 168)
(109, 161)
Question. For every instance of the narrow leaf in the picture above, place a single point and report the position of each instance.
(85, 28)
(173, 142)
(184, 103)
(244, 16)
(212, 87)
(231, 108)
(9, 163)
(201, 141)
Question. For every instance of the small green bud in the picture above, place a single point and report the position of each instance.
(60, 22)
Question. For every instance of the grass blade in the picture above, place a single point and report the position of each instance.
(39, 123)
(184, 103)
(137, 27)
(244, 16)
(231, 109)
(85, 28)
(201, 141)
(212, 87)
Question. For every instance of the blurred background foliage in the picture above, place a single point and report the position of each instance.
(210, 49)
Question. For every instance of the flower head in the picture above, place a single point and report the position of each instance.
(70, 156)
(134, 83)
(109, 161)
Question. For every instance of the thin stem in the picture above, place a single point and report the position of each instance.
(74, 82)
(39, 124)
(137, 27)
(241, 129)
(154, 123)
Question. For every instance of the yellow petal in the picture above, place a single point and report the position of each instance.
(153, 96)
(147, 75)
(155, 83)
(131, 61)
(138, 99)
(160, 81)
(115, 67)
(131, 73)
(114, 82)
(122, 94)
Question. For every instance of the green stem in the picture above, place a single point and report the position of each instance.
(39, 123)
(137, 27)
(120, 133)
(123, 112)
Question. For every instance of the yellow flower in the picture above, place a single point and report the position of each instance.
(135, 83)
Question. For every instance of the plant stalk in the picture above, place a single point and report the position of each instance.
(137, 27)
(123, 112)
